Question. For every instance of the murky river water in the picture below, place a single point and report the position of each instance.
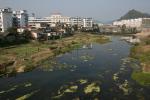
(106, 67)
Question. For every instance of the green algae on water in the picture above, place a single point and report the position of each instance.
(91, 88)
(26, 96)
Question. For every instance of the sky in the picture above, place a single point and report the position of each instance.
(102, 10)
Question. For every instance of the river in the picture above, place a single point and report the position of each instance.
(67, 76)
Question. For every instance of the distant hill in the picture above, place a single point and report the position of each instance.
(134, 14)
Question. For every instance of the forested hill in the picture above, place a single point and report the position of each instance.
(132, 14)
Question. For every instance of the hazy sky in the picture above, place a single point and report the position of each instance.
(103, 10)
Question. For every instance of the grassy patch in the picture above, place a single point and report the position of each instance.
(142, 53)
(142, 78)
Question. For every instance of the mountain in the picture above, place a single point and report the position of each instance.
(134, 14)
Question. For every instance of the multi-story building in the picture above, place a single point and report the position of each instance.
(57, 17)
(134, 23)
(51, 21)
(5, 19)
(76, 21)
(20, 18)
(87, 22)
(38, 22)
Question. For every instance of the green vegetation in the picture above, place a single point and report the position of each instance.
(71, 89)
(132, 14)
(24, 97)
(82, 81)
(142, 53)
(142, 78)
(125, 87)
(91, 88)
(82, 85)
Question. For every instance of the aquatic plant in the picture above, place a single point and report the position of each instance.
(26, 96)
(86, 58)
(125, 87)
(115, 77)
(9, 90)
(83, 81)
(28, 84)
(91, 88)
(71, 89)
(63, 90)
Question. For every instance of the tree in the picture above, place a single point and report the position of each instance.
(13, 31)
(123, 29)
(27, 35)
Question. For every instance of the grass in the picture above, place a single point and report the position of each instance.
(142, 53)
(141, 78)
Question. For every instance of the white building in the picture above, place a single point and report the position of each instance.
(36, 23)
(21, 18)
(57, 17)
(5, 19)
(76, 21)
(52, 20)
(133, 23)
(87, 22)
(82, 22)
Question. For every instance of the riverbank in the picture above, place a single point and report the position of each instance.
(142, 53)
(25, 57)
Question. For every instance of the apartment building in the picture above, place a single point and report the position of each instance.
(36, 23)
(134, 23)
(57, 17)
(76, 21)
(51, 21)
(87, 22)
(20, 18)
(5, 19)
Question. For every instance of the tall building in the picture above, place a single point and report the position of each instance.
(87, 22)
(82, 22)
(5, 19)
(20, 18)
(76, 21)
